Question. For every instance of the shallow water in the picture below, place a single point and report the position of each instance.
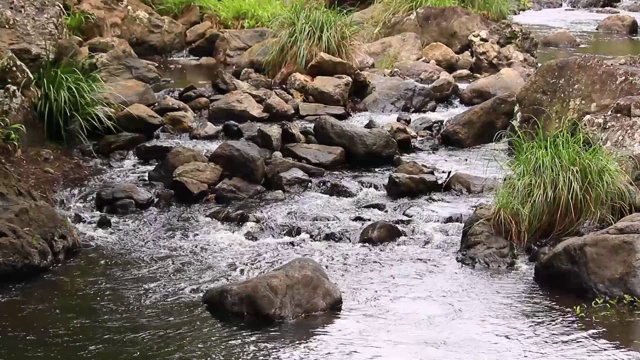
(134, 293)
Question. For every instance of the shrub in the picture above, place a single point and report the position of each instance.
(243, 14)
(557, 183)
(71, 99)
(76, 20)
(306, 29)
(10, 133)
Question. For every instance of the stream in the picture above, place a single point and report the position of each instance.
(135, 291)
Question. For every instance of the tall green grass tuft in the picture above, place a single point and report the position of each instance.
(71, 101)
(76, 20)
(495, 10)
(243, 14)
(307, 28)
(557, 183)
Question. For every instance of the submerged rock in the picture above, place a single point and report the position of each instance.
(603, 263)
(115, 199)
(298, 288)
(380, 232)
(481, 246)
(619, 24)
(560, 38)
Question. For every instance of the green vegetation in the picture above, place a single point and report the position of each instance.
(10, 133)
(307, 28)
(605, 306)
(243, 14)
(76, 20)
(172, 8)
(557, 183)
(71, 100)
(387, 60)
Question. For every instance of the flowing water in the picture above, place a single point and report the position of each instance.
(135, 291)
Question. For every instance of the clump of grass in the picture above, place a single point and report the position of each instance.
(387, 60)
(495, 10)
(243, 14)
(10, 133)
(557, 183)
(71, 101)
(307, 28)
(76, 21)
(174, 8)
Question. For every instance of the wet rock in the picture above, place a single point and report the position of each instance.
(413, 168)
(337, 189)
(206, 46)
(226, 215)
(236, 189)
(583, 4)
(327, 157)
(469, 184)
(506, 82)
(479, 124)
(402, 185)
(164, 199)
(291, 134)
(376, 206)
(444, 87)
(293, 180)
(450, 26)
(422, 123)
(111, 199)
(270, 138)
(129, 92)
(363, 147)
(138, 118)
(560, 38)
(250, 131)
(402, 134)
(631, 6)
(104, 222)
(163, 172)
(309, 109)
(404, 119)
(180, 121)
(232, 130)
(371, 124)
(297, 288)
(237, 106)
(199, 104)
(118, 142)
(151, 151)
(620, 24)
(240, 158)
(481, 246)
(169, 104)
(206, 131)
(280, 165)
(441, 54)
(392, 95)
(191, 93)
(191, 181)
(401, 47)
(198, 32)
(380, 232)
(598, 264)
(416, 70)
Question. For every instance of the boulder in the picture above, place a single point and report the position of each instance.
(207, 45)
(479, 124)
(441, 54)
(309, 109)
(291, 134)
(392, 95)
(450, 26)
(326, 65)
(380, 232)
(238, 106)
(413, 168)
(481, 246)
(199, 104)
(180, 121)
(298, 288)
(363, 146)
(119, 142)
(585, 85)
(138, 118)
(506, 82)
(270, 138)
(240, 158)
(191, 181)
(236, 189)
(197, 32)
(109, 198)
(415, 70)
(206, 131)
(129, 92)
(234, 43)
(599, 264)
(326, 157)
(400, 47)
(560, 39)
(469, 184)
(277, 166)
(232, 130)
(620, 24)
(117, 62)
(402, 134)
(293, 180)
(169, 104)
(163, 172)
(278, 109)
(153, 151)
(255, 57)
(444, 87)
(325, 90)
(255, 79)
(402, 185)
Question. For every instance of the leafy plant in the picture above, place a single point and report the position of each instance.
(307, 28)
(76, 20)
(606, 306)
(71, 100)
(243, 14)
(10, 133)
(557, 183)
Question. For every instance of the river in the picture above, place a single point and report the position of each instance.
(134, 292)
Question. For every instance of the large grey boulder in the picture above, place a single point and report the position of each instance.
(506, 82)
(300, 287)
(236, 106)
(116, 198)
(394, 94)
